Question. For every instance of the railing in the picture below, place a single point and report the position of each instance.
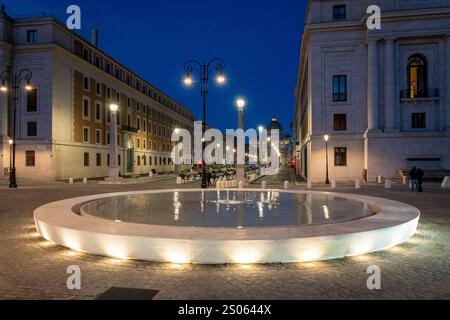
(130, 129)
(428, 93)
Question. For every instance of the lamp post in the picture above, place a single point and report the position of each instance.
(113, 166)
(15, 79)
(326, 138)
(177, 154)
(204, 70)
(240, 168)
(10, 141)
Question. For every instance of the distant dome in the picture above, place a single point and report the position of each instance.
(275, 125)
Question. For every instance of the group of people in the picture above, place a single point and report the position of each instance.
(416, 179)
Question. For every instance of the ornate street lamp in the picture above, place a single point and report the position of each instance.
(113, 165)
(326, 138)
(204, 70)
(240, 168)
(15, 79)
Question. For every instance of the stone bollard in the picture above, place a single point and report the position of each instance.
(309, 185)
(357, 184)
(446, 183)
(333, 184)
(71, 180)
(380, 179)
(387, 184)
(84, 180)
(405, 180)
(286, 184)
(179, 180)
(241, 184)
(150, 174)
(264, 185)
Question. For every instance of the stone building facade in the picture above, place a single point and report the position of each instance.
(63, 124)
(382, 96)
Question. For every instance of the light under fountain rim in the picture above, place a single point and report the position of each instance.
(394, 223)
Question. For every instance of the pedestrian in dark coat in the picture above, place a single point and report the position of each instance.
(420, 174)
(413, 182)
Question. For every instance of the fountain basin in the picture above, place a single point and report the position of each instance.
(86, 224)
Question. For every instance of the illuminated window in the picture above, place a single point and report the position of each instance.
(31, 35)
(417, 76)
(30, 158)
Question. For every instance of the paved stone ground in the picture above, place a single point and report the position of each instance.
(30, 269)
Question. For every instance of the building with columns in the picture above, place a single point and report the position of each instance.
(63, 124)
(382, 96)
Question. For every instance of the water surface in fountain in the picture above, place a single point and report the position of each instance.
(228, 209)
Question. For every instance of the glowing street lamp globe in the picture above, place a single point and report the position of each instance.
(113, 107)
(240, 103)
(326, 137)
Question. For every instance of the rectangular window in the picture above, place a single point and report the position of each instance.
(86, 82)
(339, 12)
(32, 129)
(108, 159)
(108, 138)
(138, 107)
(32, 101)
(98, 89)
(30, 158)
(118, 96)
(138, 142)
(86, 159)
(108, 93)
(86, 111)
(340, 122)
(31, 36)
(144, 158)
(98, 159)
(340, 88)
(138, 123)
(98, 136)
(418, 120)
(86, 135)
(138, 160)
(98, 111)
(86, 54)
(340, 157)
(119, 159)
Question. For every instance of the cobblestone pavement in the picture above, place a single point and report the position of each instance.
(31, 269)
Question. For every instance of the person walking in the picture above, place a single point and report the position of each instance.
(413, 182)
(419, 175)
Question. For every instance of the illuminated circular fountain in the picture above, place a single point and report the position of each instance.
(227, 226)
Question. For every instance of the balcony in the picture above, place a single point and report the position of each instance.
(428, 94)
(129, 129)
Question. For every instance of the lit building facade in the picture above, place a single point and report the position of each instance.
(383, 96)
(63, 124)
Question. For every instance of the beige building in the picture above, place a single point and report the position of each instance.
(63, 124)
(383, 96)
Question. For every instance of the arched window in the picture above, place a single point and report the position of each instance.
(417, 76)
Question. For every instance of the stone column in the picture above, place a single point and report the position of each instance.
(389, 86)
(240, 168)
(373, 84)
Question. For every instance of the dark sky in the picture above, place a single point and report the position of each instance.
(258, 39)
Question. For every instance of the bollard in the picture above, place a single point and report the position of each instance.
(357, 184)
(150, 174)
(405, 180)
(263, 185)
(380, 179)
(446, 183)
(387, 184)
(178, 180)
(310, 185)
(71, 180)
(241, 184)
(286, 184)
(84, 180)
(333, 184)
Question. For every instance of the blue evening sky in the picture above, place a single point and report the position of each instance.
(258, 39)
